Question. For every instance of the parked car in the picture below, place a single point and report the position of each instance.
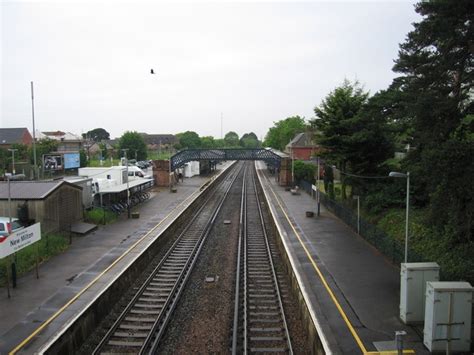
(6, 228)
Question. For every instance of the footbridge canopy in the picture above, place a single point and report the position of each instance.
(187, 155)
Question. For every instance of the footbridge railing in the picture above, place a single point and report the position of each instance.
(187, 155)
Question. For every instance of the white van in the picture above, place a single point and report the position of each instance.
(135, 171)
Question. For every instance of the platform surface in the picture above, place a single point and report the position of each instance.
(35, 301)
(339, 269)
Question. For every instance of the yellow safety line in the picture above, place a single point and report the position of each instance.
(318, 271)
(59, 311)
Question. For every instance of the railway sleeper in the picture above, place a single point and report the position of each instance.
(130, 334)
(140, 319)
(145, 312)
(162, 283)
(152, 299)
(262, 307)
(159, 290)
(147, 305)
(261, 288)
(268, 350)
(267, 314)
(265, 330)
(262, 293)
(271, 339)
(134, 326)
(126, 344)
(155, 293)
(262, 300)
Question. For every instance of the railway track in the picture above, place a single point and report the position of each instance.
(259, 318)
(140, 326)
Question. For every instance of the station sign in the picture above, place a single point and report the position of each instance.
(20, 239)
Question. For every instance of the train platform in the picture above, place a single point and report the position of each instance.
(351, 289)
(39, 308)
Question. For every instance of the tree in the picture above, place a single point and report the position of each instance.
(97, 135)
(304, 171)
(82, 158)
(188, 139)
(249, 140)
(436, 67)
(284, 131)
(219, 143)
(43, 146)
(231, 139)
(339, 126)
(207, 142)
(21, 153)
(133, 141)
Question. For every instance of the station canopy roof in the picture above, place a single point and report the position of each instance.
(123, 187)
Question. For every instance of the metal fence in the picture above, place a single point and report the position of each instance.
(374, 235)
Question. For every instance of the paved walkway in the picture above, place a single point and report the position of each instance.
(35, 300)
(362, 281)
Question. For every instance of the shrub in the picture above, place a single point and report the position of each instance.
(99, 215)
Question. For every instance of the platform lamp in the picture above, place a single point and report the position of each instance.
(318, 197)
(292, 167)
(395, 174)
(128, 191)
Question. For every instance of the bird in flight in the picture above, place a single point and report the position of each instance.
(152, 71)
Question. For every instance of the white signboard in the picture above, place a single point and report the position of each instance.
(20, 239)
(314, 187)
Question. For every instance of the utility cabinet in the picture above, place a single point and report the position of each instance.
(413, 278)
(448, 316)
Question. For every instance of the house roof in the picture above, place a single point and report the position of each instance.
(301, 140)
(30, 190)
(12, 135)
(58, 136)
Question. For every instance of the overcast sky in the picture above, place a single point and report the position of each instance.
(256, 63)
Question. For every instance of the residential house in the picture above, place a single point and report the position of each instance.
(159, 141)
(67, 141)
(95, 148)
(10, 136)
(302, 146)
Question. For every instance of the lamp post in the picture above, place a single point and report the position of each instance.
(395, 174)
(13, 159)
(357, 197)
(35, 172)
(317, 191)
(128, 191)
(292, 167)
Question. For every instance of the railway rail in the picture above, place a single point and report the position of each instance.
(259, 318)
(140, 326)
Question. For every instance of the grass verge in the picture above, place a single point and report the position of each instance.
(99, 215)
(47, 247)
